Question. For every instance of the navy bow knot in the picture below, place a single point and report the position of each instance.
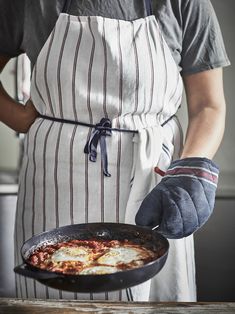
(98, 135)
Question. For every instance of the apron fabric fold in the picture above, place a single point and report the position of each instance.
(91, 68)
(147, 150)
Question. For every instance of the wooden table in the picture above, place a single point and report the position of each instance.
(19, 306)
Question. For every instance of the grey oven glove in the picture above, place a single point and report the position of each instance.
(184, 199)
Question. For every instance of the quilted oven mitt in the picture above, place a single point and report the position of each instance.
(184, 199)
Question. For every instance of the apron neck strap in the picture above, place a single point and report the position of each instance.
(148, 5)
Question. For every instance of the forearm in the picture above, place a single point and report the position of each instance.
(15, 115)
(12, 113)
(206, 112)
(204, 133)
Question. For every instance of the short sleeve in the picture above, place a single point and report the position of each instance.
(11, 27)
(202, 46)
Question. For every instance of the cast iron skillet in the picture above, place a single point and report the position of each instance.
(96, 283)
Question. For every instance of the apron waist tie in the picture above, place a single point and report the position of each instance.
(98, 135)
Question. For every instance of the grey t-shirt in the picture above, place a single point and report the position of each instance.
(190, 27)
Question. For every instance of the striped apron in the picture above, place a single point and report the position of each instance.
(91, 68)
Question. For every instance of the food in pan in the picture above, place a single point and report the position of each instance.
(91, 257)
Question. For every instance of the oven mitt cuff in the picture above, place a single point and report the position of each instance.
(183, 201)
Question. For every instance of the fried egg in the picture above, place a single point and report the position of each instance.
(120, 255)
(98, 270)
(65, 254)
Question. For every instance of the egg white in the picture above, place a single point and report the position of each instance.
(119, 255)
(65, 254)
(98, 270)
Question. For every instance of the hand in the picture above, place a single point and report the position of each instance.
(29, 115)
(183, 201)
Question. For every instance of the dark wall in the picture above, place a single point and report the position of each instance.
(215, 254)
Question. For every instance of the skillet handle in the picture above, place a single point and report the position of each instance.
(24, 270)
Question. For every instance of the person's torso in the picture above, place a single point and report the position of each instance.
(92, 67)
(45, 13)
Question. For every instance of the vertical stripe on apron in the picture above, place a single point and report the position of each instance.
(71, 176)
(151, 70)
(45, 74)
(105, 72)
(137, 71)
(36, 85)
(59, 68)
(56, 177)
(74, 74)
(45, 177)
(34, 176)
(120, 67)
(24, 193)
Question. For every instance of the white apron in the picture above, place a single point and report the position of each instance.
(90, 68)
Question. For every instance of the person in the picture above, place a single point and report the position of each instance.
(120, 65)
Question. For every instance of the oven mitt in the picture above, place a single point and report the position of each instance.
(184, 199)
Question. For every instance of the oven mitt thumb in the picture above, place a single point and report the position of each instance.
(184, 199)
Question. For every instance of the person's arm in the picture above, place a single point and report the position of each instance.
(206, 111)
(13, 114)
(184, 199)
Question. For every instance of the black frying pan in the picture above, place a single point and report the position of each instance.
(96, 283)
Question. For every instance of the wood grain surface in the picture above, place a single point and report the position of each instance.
(19, 306)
